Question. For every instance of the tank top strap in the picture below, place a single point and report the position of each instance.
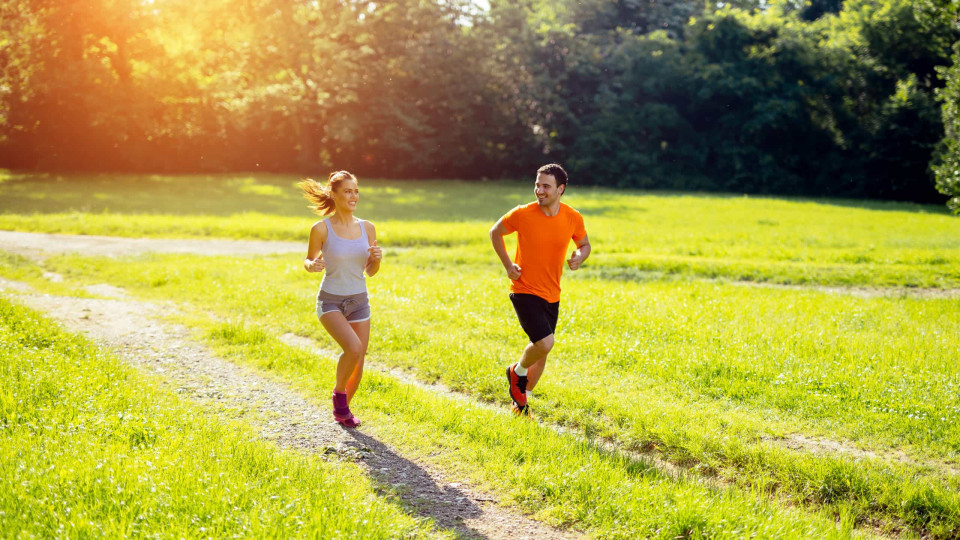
(331, 233)
(326, 223)
(345, 262)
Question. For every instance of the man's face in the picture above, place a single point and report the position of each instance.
(546, 189)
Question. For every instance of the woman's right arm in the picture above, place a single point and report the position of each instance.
(314, 261)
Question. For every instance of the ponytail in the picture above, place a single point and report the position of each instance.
(321, 197)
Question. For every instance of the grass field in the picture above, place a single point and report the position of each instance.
(636, 234)
(666, 344)
(91, 448)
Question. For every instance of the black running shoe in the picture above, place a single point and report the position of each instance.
(523, 412)
(517, 387)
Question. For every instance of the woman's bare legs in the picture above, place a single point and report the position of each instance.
(353, 348)
(362, 331)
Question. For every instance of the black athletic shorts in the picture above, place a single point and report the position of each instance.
(538, 318)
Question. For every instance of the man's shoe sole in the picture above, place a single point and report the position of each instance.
(522, 412)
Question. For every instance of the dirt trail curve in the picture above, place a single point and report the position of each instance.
(38, 246)
(134, 331)
(41, 245)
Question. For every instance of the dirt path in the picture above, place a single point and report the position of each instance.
(795, 441)
(134, 330)
(650, 458)
(860, 292)
(42, 245)
(38, 246)
(823, 446)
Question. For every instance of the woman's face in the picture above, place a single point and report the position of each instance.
(347, 195)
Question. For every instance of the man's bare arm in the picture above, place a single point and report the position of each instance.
(581, 253)
(497, 232)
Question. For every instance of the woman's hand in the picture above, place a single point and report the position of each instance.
(316, 265)
(375, 252)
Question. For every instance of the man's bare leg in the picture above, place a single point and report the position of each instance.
(534, 359)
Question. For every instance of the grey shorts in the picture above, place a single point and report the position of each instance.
(355, 307)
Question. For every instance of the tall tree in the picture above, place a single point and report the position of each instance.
(75, 74)
(947, 165)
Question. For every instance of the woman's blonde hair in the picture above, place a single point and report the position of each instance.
(320, 196)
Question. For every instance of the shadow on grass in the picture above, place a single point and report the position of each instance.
(446, 505)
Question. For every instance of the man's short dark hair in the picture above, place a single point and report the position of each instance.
(555, 171)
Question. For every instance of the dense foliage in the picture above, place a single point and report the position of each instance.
(947, 167)
(814, 98)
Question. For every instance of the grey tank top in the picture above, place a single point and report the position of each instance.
(345, 261)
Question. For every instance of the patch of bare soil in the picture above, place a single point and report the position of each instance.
(39, 246)
(862, 292)
(649, 459)
(820, 445)
(134, 331)
(794, 441)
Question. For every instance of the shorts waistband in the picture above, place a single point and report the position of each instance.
(324, 295)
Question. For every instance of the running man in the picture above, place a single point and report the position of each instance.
(544, 230)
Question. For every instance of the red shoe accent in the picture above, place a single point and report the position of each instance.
(517, 386)
(523, 412)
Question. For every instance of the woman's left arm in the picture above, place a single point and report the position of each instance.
(373, 260)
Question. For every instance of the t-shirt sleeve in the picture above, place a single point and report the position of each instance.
(579, 230)
(511, 220)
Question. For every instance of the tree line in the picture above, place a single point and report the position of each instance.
(839, 98)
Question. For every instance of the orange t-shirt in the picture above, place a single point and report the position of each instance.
(542, 247)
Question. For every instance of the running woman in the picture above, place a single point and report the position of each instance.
(345, 247)
(544, 230)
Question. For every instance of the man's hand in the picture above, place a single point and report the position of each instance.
(575, 259)
(375, 252)
(316, 265)
(513, 271)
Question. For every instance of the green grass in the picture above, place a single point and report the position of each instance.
(684, 367)
(88, 447)
(635, 234)
(558, 478)
(147, 456)
(706, 373)
(882, 369)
